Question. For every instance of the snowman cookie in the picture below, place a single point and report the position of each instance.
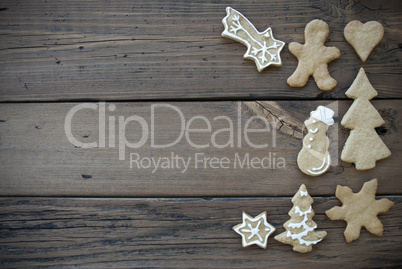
(314, 158)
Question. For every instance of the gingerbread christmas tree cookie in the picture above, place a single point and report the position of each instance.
(262, 47)
(254, 231)
(363, 146)
(314, 158)
(300, 228)
(360, 210)
(314, 57)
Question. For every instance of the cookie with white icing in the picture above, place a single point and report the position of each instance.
(314, 158)
(300, 228)
(254, 231)
(262, 47)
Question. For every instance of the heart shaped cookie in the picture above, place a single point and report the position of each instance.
(363, 37)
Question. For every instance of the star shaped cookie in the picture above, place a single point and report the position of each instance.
(359, 210)
(254, 231)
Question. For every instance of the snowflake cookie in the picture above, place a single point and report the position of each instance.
(314, 57)
(359, 210)
(254, 231)
(300, 227)
(262, 47)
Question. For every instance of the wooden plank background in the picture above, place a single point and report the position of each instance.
(119, 50)
(39, 159)
(178, 233)
(64, 206)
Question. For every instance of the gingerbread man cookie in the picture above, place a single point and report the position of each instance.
(313, 57)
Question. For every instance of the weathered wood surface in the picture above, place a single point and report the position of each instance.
(37, 159)
(119, 50)
(166, 51)
(178, 233)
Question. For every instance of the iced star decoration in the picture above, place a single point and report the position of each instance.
(360, 210)
(254, 231)
(262, 47)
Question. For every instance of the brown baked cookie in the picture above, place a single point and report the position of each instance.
(363, 37)
(313, 57)
(262, 47)
(359, 210)
(254, 231)
(300, 228)
(314, 158)
(363, 146)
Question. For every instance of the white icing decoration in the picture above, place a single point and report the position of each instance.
(254, 46)
(247, 227)
(263, 47)
(322, 165)
(311, 153)
(303, 224)
(253, 231)
(323, 114)
(303, 193)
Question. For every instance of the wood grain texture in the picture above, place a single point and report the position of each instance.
(67, 206)
(179, 233)
(119, 50)
(37, 159)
